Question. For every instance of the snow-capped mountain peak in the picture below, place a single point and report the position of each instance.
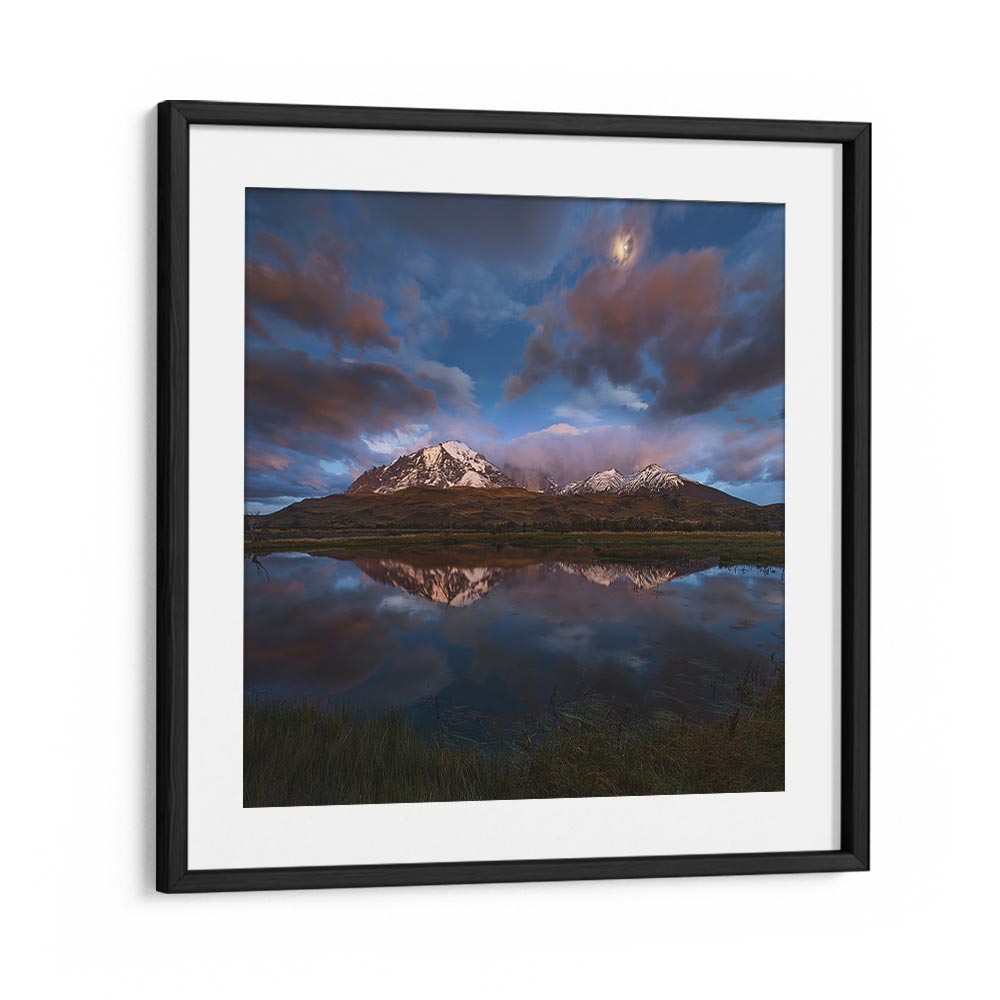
(454, 464)
(443, 465)
(653, 479)
(461, 452)
(608, 481)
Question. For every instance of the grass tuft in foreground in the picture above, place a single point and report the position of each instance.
(300, 755)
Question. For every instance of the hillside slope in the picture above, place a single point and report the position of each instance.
(463, 508)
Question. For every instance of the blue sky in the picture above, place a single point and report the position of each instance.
(556, 336)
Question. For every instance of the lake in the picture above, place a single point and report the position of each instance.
(489, 649)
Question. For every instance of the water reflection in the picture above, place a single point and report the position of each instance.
(495, 644)
(456, 586)
(459, 586)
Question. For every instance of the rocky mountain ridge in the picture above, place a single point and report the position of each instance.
(451, 464)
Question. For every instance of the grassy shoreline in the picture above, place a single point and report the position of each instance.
(302, 755)
(729, 547)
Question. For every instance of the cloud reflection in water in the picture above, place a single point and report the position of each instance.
(375, 634)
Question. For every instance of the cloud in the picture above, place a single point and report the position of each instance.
(569, 453)
(473, 294)
(313, 425)
(313, 293)
(399, 441)
(499, 232)
(441, 293)
(302, 476)
(264, 459)
(419, 319)
(742, 456)
(638, 356)
(452, 386)
(556, 429)
(298, 402)
(591, 404)
(689, 330)
(689, 446)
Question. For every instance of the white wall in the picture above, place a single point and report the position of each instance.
(80, 82)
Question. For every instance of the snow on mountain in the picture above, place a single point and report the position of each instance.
(652, 479)
(452, 463)
(444, 465)
(463, 453)
(609, 481)
(476, 480)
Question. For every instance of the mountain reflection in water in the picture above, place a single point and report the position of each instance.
(459, 586)
(495, 645)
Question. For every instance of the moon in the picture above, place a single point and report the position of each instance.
(624, 247)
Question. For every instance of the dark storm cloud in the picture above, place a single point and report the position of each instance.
(296, 401)
(314, 293)
(503, 232)
(712, 333)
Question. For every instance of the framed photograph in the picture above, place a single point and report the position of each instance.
(513, 503)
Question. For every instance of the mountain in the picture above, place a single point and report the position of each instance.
(453, 464)
(609, 481)
(653, 479)
(516, 509)
(443, 466)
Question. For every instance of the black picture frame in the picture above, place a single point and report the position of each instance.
(175, 119)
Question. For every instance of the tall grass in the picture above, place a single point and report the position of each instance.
(298, 755)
